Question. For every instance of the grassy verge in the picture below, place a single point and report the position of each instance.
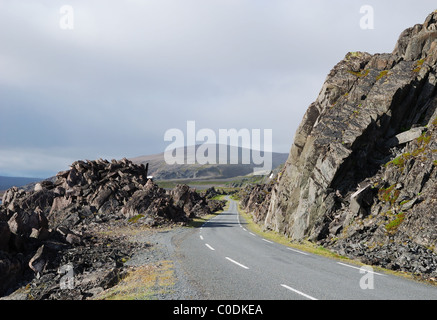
(147, 282)
(309, 247)
(304, 246)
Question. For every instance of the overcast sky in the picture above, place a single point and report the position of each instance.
(129, 71)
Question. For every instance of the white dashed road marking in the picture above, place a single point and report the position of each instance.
(294, 250)
(237, 263)
(209, 247)
(367, 271)
(298, 292)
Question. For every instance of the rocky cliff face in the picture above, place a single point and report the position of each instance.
(361, 175)
(61, 222)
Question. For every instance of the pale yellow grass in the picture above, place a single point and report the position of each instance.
(146, 282)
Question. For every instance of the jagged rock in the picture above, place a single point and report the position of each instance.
(211, 193)
(190, 202)
(361, 175)
(139, 203)
(40, 234)
(256, 199)
(100, 198)
(361, 201)
(59, 204)
(22, 223)
(338, 142)
(50, 225)
(73, 238)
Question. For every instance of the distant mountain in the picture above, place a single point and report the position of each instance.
(8, 182)
(234, 167)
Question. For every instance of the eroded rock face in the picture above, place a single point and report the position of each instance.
(361, 174)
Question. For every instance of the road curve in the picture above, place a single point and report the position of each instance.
(225, 261)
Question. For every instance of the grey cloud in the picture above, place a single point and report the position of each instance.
(130, 70)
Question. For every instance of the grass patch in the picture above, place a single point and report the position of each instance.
(424, 139)
(143, 283)
(136, 218)
(401, 161)
(382, 74)
(219, 197)
(393, 226)
(361, 74)
(388, 195)
(404, 202)
(419, 65)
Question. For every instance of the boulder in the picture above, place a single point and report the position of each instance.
(361, 201)
(40, 260)
(405, 137)
(22, 223)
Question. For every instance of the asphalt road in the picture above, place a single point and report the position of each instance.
(225, 261)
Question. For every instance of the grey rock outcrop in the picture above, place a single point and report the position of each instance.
(60, 219)
(361, 175)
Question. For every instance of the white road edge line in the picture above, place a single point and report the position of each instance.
(209, 247)
(237, 263)
(368, 271)
(201, 237)
(253, 234)
(304, 253)
(298, 292)
(267, 240)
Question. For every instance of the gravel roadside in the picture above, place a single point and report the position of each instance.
(162, 253)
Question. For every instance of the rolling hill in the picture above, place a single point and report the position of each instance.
(234, 167)
(8, 182)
